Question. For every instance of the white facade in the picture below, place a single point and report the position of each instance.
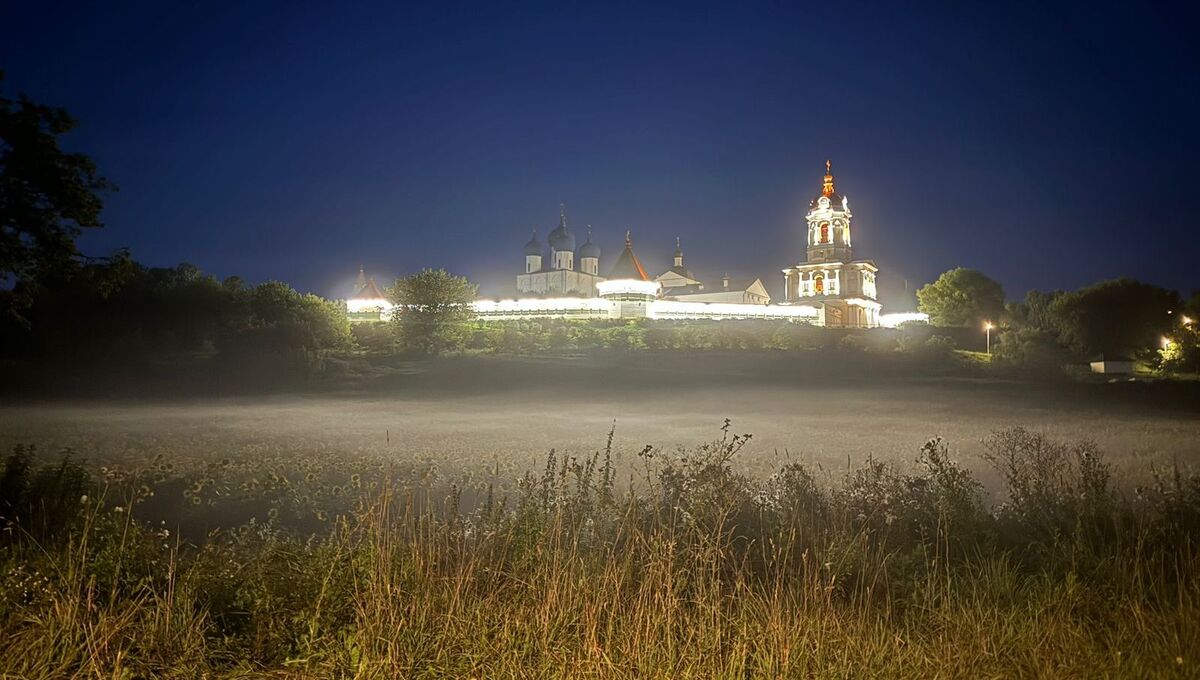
(562, 277)
(644, 308)
(830, 277)
(533, 263)
(829, 288)
(559, 282)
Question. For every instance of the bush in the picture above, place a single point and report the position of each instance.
(375, 338)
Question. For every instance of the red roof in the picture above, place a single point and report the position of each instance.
(628, 266)
(368, 291)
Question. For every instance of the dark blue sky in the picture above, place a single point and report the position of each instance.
(1049, 146)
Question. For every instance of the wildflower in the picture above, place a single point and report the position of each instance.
(118, 509)
(83, 500)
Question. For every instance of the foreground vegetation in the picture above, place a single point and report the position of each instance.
(365, 568)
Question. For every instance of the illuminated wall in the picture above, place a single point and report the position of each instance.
(621, 308)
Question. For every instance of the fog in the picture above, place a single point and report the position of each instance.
(472, 413)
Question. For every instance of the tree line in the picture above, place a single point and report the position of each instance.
(1115, 319)
(58, 304)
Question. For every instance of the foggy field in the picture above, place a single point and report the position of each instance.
(476, 413)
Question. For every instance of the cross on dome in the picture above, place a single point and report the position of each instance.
(827, 189)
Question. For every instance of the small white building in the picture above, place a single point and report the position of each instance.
(1112, 366)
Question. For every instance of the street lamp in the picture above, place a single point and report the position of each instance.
(987, 327)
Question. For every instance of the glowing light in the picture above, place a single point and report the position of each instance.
(672, 309)
(1166, 342)
(987, 325)
(628, 287)
(1187, 321)
(357, 306)
(529, 307)
(895, 319)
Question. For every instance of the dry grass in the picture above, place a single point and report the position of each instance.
(377, 570)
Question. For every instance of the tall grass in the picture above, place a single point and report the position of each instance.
(688, 569)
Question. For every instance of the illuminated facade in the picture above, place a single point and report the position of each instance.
(562, 276)
(830, 278)
(368, 302)
(830, 288)
(679, 283)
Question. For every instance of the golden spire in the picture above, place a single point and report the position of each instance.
(827, 189)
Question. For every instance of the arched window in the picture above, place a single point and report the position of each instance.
(824, 232)
(819, 284)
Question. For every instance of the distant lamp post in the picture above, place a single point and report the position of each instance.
(987, 328)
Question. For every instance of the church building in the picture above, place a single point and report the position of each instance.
(562, 276)
(829, 288)
(842, 287)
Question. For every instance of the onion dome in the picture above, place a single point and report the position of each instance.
(534, 247)
(828, 190)
(628, 266)
(561, 239)
(589, 249)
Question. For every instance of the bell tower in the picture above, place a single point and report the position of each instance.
(830, 278)
(829, 224)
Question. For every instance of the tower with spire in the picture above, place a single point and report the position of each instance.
(678, 276)
(830, 277)
(368, 303)
(679, 283)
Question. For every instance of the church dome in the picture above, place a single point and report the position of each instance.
(836, 201)
(534, 247)
(589, 249)
(561, 239)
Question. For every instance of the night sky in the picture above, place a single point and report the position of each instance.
(1048, 146)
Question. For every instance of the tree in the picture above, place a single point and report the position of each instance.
(961, 297)
(1181, 351)
(313, 322)
(47, 197)
(433, 310)
(1030, 336)
(1119, 317)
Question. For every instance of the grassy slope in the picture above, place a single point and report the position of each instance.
(373, 569)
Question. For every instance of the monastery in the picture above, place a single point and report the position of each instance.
(829, 287)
